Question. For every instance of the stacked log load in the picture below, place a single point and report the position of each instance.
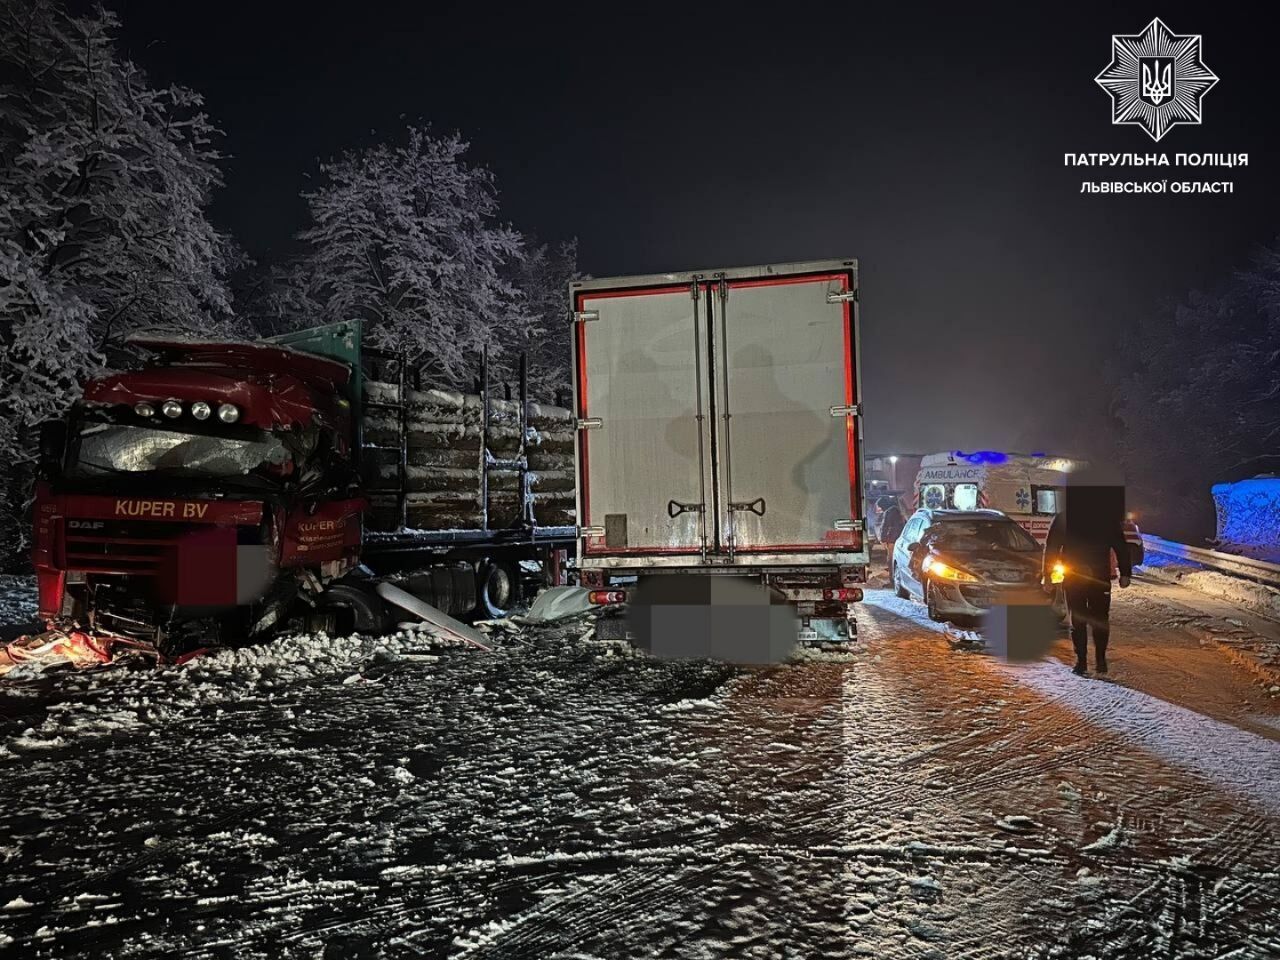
(446, 462)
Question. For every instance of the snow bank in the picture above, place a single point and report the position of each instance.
(1258, 597)
(1249, 517)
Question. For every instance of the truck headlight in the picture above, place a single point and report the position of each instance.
(171, 409)
(228, 413)
(201, 410)
(936, 568)
(144, 409)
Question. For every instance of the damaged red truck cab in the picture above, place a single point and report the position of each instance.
(183, 489)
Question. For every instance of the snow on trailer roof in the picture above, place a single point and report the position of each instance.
(307, 367)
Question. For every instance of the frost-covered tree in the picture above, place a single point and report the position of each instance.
(1198, 397)
(104, 181)
(542, 275)
(405, 236)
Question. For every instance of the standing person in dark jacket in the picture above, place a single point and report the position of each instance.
(1082, 538)
(892, 521)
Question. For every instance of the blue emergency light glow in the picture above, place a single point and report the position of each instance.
(982, 456)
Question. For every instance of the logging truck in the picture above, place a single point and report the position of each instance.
(229, 489)
(719, 434)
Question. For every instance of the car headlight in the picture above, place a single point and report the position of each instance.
(1059, 572)
(936, 568)
(228, 413)
(171, 409)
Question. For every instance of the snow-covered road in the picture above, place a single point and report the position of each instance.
(560, 798)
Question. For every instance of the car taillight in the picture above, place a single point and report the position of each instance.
(607, 596)
(845, 593)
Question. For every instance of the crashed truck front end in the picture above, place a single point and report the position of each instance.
(188, 500)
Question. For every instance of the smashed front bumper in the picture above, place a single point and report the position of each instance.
(975, 599)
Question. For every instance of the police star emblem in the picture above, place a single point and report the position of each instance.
(1156, 79)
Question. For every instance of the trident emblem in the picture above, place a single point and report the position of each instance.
(1157, 84)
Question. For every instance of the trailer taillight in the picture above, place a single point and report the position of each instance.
(607, 596)
(850, 574)
(849, 594)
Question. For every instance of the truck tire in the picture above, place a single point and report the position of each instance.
(497, 588)
(358, 608)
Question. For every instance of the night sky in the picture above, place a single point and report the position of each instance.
(928, 143)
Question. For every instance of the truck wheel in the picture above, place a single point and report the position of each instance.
(355, 608)
(497, 585)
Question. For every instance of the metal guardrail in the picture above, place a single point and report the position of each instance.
(1258, 570)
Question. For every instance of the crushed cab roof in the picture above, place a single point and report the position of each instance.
(266, 358)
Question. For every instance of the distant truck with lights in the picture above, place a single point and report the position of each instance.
(224, 490)
(719, 432)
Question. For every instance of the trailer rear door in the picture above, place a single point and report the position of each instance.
(717, 413)
(640, 358)
(787, 448)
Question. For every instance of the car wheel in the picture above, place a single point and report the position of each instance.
(931, 604)
(898, 589)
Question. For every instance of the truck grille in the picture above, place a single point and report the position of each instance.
(116, 555)
(139, 548)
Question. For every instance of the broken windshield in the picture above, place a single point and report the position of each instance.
(976, 536)
(102, 449)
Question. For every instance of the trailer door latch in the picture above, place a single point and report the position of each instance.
(582, 316)
(755, 506)
(675, 508)
(847, 411)
(590, 423)
(591, 531)
(842, 296)
(847, 525)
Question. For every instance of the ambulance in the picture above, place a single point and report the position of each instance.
(1026, 487)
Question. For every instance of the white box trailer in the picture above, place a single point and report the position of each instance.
(719, 429)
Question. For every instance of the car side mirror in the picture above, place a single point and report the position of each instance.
(53, 444)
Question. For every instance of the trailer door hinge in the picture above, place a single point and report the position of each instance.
(847, 525)
(582, 316)
(847, 411)
(842, 296)
(591, 531)
(590, 423)
(722, 286)
(695, 286)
